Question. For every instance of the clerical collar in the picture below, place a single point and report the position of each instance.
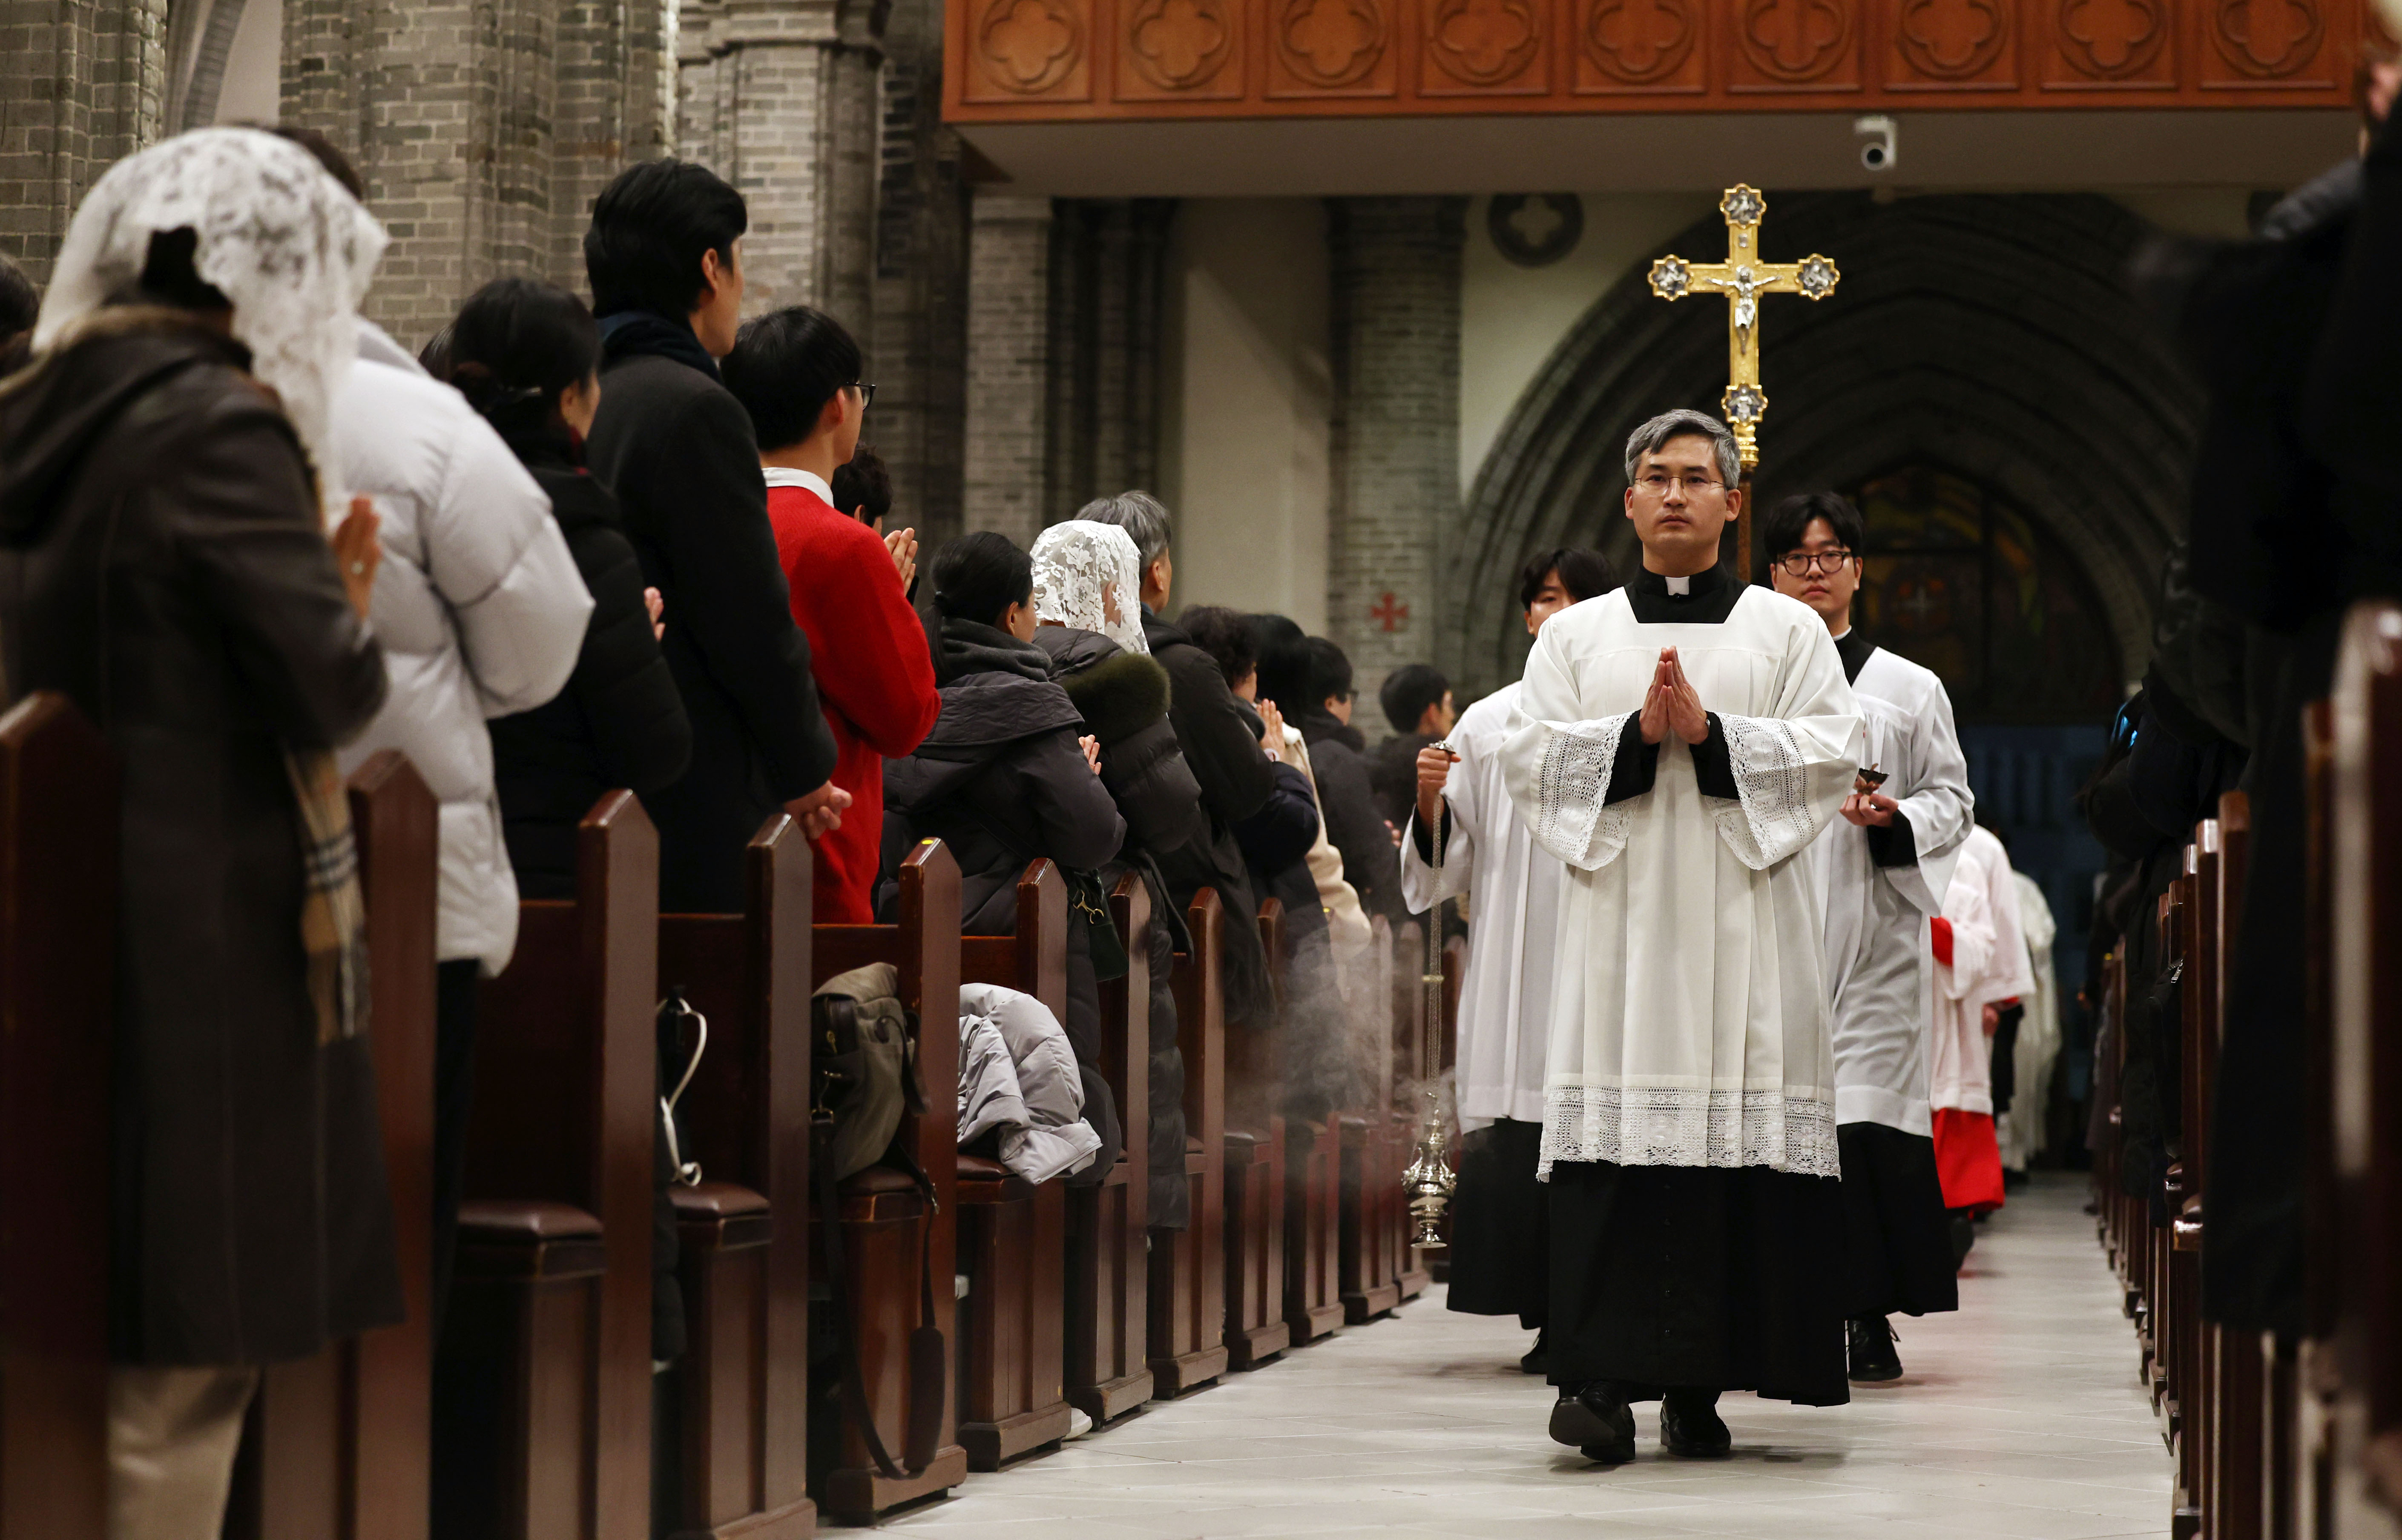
(1706, 598)
(1854, 649)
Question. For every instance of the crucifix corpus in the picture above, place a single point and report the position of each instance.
(1742, 279)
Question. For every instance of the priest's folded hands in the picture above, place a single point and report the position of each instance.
(1672, 704)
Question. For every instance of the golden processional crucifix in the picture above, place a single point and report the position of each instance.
(1743, 277)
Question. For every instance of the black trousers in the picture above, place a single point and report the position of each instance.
(1501, 1225)
(454, 1094)
(1697, 1278)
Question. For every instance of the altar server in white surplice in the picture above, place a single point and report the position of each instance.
(1500, 1222)
(1884, 866)
(1677, 744)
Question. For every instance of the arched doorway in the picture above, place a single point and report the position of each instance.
(1986, 339)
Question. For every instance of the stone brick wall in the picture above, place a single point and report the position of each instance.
(82, 84)
(483, 129)
(1009, 350)
(1396, 265)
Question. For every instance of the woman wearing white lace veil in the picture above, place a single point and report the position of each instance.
(140, 456)
(1090, 621)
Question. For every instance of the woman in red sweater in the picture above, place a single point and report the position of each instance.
(797, 372)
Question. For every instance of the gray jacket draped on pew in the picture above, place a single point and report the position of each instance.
(161, 563)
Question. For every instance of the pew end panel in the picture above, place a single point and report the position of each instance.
(1188, 1267)
(1107, 1374)
(59, 861)
(1256, 1330)
(1013, 1233)
(887, 1230)
(738, 1397)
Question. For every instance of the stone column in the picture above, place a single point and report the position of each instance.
(83, 83)
(1009, 366)
(792, 123)
(1396, 264)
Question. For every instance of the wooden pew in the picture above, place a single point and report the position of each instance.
(1013, 1232)
(1415, 1072)
(2237, 1369)
(1370, 1185)
(1109, 1237)
(2195, 897)
(1313, 1230)
(738, 1401)
(884, 1219)
(1188, 1267)
(545, 1355)
(1256, 1330)
(336, 1447)
(2304, 1478)
(2361, 1472)
(59, 862)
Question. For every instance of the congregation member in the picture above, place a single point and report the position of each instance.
(1980, 963)
(676, 449)
(527, 356)
(1088, 621)
(862, 489)
(481, 612)
(797, 373)
(174, 442)
(1316, 674)
(21, 304)
(1677, 744)
(1882, 869)
(1008, 774)
(1416, 702)
(1461, 815)
(2024, 1133)
(1220, 746)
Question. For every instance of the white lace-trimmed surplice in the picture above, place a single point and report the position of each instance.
(1989, 963)
(1688, 1015)
(1515, 893)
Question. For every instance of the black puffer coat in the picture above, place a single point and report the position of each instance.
(1001, 780)
(620, 722)
(1124, 699)
(1370, 861)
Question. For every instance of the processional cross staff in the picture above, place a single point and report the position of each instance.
(1742, 279)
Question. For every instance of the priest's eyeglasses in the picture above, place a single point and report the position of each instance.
(1658, 482)
(1798, 563)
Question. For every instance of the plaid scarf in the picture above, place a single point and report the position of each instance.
(333, 911)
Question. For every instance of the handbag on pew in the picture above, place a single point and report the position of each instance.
(863, 1076)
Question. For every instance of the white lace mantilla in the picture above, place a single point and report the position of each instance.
(1772, 818)
(276, 235)
(1088, 577)
(1571, 820)
(1673, 1125)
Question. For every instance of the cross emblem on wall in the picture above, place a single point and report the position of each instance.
(1743, 277)
(1393, 616)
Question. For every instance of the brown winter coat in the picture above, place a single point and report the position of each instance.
(161, 563)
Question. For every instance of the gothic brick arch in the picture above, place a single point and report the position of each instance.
(1985, 336)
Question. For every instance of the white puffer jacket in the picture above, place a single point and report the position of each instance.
(1017, 1074)
(480, 611)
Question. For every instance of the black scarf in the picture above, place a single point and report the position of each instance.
(639, 334)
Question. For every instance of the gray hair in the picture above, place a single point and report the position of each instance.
(1142, 516)
(1680, 424)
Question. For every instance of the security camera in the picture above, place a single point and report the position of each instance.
(1879, 153)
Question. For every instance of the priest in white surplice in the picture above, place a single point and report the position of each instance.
(1677, 744)
(1884, 867)
(1500, 1220)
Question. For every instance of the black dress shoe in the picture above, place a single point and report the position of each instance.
(1873, 1358)
(1964, 1237)
(1693, 1430)
(1596, 1422)
(1536, 1361)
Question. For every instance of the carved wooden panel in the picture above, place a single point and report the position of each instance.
(1030, 50)
(1658, 47)
(1331, 47)
(1794, 45)
(2110, 45)
(1485, 47)
(1180, 50)
(2255, 44)
(1952, 45)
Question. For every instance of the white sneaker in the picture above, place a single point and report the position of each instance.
(1078, 1423)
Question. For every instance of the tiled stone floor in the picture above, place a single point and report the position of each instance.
(2020, 1416)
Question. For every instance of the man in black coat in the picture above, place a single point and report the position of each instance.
(677, 450)
(1221, 748)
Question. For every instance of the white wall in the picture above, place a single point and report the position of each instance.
(1247, 392)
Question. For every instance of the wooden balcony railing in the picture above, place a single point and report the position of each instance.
(1125, 60)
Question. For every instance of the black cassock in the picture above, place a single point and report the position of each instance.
(1500, 1225)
